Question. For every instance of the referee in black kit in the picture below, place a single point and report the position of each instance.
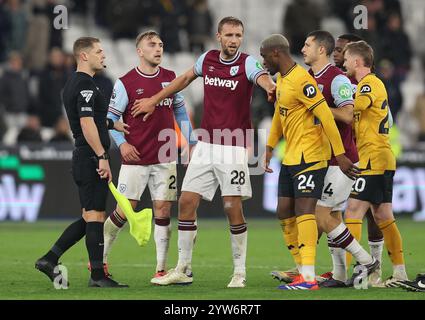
(86, 108)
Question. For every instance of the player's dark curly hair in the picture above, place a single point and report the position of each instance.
(350, 37)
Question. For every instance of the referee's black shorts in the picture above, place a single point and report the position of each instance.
(93, 190)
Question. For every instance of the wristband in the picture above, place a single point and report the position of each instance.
(110, 123)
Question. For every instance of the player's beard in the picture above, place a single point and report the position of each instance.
(272, 70)
(153, 64)
(229, 54)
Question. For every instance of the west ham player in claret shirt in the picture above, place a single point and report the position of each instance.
(220, 157)
(142, 163)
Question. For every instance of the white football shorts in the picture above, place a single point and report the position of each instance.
(336, 189)
(161, 179)
(214, 165)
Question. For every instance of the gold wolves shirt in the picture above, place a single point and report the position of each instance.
(298, 103)
(228, 86)
(372, 126)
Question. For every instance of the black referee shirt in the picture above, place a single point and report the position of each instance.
(82, 98)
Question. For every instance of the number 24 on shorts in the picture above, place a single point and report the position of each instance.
(305, 182)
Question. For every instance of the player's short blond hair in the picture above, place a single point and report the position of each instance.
(276, 41)
(146, 35)
(362, 49)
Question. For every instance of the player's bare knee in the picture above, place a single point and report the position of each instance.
(187, 208)
(232, 205)
(284, 209)
(383, 213)
(321, 221)
(337, 216)
(356, 209)
(162, 209)
(305, 206)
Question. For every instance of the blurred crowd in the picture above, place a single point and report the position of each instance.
(385, 34)
(34, 66)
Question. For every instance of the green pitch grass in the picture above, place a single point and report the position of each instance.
(21, 244)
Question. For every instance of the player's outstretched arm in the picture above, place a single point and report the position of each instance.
(267, 83)
(148, 105)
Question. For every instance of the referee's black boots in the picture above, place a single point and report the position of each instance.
(106, 282)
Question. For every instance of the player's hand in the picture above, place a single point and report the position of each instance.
(271, 94)
(121, 127)
(146, 105)
(129, 152)
(347, 167)
(267, 157)
(104, 170)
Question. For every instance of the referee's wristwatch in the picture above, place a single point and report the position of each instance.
(104, 156)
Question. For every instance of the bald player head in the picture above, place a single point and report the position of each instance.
(274, 48)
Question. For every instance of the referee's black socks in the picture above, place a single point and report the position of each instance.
(68, 238)
(94, 244)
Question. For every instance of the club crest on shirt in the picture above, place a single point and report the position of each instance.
(139, 91)
(211, 68)
(234, 70)
(122, 187)
(320, 87)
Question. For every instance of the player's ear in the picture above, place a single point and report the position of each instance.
(218, 36)
(84, 56)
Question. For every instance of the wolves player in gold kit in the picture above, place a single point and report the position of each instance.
(374, 186)
(303, 117)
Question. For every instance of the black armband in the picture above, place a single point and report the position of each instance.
(110, 123)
